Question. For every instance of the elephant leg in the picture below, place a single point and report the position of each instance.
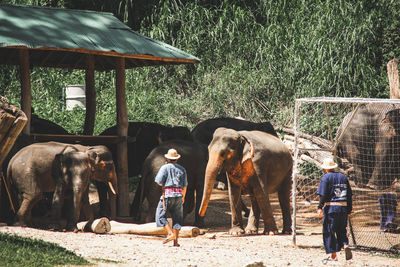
(151, 211)
(284, 202)
(24, 212)
(254, 217)
(244, 208)
(86, 208)
(198, 220)
(189, 202)
(102, 190)
(265, 207)
(58, 202)
(236, 209)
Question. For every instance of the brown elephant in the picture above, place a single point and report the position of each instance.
(194, 160)
(59, 168)
(256, 163)
(370, 143)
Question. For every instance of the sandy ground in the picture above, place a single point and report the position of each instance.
(215, 248)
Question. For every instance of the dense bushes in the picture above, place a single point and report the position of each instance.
(256, 58)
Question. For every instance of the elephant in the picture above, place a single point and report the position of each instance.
(370, 143)
(56, 167)
(203, 133)
(256, 163)
(194, 160)
(38, 125)
(148, 135)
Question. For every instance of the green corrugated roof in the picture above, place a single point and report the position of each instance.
(77, 31)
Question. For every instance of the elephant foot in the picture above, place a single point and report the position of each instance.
(251, 230)
(271, 232)
(236, 230)
(286, 232)
(199, 223)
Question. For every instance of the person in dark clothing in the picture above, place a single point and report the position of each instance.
(387, 205)
(335, 206)
(173, 178)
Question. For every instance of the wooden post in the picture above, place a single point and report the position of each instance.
(26, 96)
(393, 73)
(90, 93)
(122, 145)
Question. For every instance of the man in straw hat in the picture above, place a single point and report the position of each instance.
(335, 205)
(172, 177)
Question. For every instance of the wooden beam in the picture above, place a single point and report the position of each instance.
(26, 96)
(393, 73)
(122, 146)
(90, 93)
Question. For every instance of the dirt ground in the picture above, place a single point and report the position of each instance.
(214, 248)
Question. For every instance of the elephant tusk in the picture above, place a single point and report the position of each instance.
(111, 187)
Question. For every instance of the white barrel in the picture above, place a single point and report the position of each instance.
(75, 96)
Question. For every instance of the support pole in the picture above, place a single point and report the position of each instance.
(294, 174)
(122, 146)
(26, 96)
(393, 73)
(90, 97)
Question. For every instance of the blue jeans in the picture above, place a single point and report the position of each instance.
(174, 206)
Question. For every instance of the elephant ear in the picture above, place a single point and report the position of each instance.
(59, 167)
(392, 118)
(93, 157)
(248, 149)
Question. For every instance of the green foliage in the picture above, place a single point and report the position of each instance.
(257, 57)
(310, 171)
(21, 251)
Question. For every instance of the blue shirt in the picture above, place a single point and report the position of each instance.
(335, 187)
(172, 175)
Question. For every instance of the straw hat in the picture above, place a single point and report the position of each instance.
(328, 164)
(172, 154)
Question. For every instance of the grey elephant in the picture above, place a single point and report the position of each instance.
(203, 133)
(59, 168)
(370, 143)
(193, 159)
(256, 163)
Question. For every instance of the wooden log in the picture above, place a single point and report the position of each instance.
(393, 74)
(315, 139)
(12, 121)
(122, 146)
(90, 93)
(149, 229)
(103, 225)
(98, 226)
(26, 95)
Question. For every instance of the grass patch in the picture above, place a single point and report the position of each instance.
(22, 251)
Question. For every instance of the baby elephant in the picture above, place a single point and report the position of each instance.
(64, 169)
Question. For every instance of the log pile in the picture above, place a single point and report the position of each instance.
(12, 121)
(320, 149)
(103, 225)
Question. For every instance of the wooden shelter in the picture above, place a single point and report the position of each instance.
(76, 39)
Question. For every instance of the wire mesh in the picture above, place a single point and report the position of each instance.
(364, 137)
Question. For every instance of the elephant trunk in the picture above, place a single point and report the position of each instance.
(214, 166)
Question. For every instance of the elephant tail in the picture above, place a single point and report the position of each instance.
(137, 201)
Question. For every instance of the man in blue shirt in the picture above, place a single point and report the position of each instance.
(336, 201)
(172, 177)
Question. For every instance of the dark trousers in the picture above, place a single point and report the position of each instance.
(334, 232)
